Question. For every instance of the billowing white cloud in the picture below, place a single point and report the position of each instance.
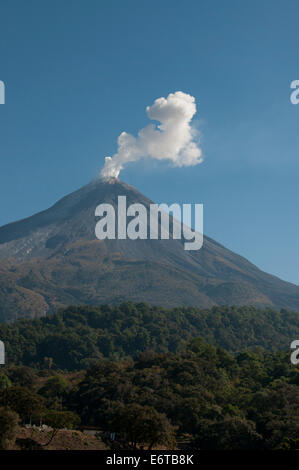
(174, 139)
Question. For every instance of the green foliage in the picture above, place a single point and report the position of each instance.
(61, 419)
(55, 387)
(23, 376)
(8, 428)
(77, 337)
(141, 425)
(228, 434)
(146, 375)
(4, 382)
(246, 401)
(54, 391)
(28, 404)
(289, 444)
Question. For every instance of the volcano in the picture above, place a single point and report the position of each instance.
(53, 259)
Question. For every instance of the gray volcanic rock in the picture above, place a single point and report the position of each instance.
(53, 259)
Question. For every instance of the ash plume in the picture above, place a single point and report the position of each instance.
(174, 139)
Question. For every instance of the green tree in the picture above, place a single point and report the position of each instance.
(4, 382)
(231, 433)
(54, 390)
(8, 428)
(23, 376)
(142, 425)
(28, 404)
(60, 420)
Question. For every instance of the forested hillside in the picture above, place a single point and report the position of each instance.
(200, 398)
(76, 337)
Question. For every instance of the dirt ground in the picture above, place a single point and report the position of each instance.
(64, 440)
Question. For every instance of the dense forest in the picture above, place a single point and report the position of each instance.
(200, 398)
(153, 378)
(77, 337)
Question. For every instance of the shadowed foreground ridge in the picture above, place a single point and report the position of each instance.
(53, 259)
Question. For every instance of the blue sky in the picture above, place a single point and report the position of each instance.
(77, 73)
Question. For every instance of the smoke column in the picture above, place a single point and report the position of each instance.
(173, 139)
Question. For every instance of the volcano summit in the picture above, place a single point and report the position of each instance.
(53, 259)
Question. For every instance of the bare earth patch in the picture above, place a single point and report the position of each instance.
(64, 440)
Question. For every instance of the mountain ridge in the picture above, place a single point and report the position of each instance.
(53, 259)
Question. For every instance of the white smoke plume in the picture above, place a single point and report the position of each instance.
(174, 139)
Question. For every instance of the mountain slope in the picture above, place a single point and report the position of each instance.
(53, 259)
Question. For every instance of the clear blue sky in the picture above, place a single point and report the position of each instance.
(78, 73)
